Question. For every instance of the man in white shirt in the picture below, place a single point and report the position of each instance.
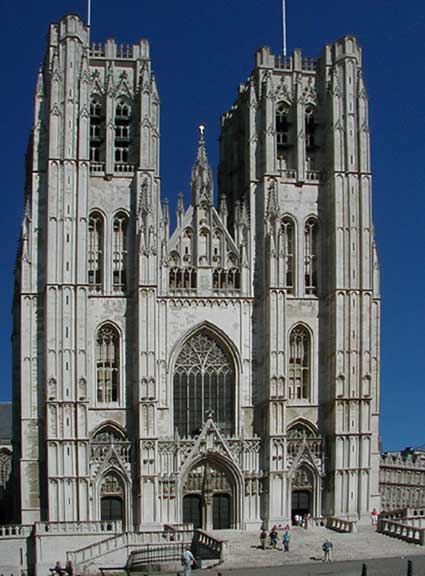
(187, 560)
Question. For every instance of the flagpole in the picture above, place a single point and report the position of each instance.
(284, 26)
(88, 13)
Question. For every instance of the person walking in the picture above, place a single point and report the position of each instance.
(285, 541)
(327, 548)
(263, 539)
(188, 561)
(273, 537)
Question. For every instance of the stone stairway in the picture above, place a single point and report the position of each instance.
(306, 546)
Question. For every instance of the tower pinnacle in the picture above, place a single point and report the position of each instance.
(202, 179)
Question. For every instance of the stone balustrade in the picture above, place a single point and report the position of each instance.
(43, 528)
(401, 530)
(218, 547)
(341, 525)
(15, 530)
(130, 541)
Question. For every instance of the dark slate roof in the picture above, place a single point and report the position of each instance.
(6, 421)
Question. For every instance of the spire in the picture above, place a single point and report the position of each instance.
(180, 209)
(202, 180)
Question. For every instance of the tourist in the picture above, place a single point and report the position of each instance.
(327, 548)
(60, 571)
(263, 539)
(69, 568)
(273, 537)
(285, 541)
(188, 561)
(374, 517)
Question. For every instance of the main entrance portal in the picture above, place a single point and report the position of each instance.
(209, 497)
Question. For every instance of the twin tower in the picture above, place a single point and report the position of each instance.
(226, 373)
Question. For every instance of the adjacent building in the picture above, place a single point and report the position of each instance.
(225, 373)
(402, 479)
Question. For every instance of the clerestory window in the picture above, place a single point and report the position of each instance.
(107, 364)
(299, 364)
(95, 251)
(204, 382)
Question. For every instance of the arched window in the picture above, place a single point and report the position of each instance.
(282, 128)
(204, 381)
(299, 364)
(96, 130)
(310, 256)
(119, 252)
(287, 249)
(5, 467)
(122, 131)
(310, 130)
(107, 364)
(226, 279)
(95, 251)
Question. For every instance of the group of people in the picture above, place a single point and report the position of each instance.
(59, 570)
(274, 538)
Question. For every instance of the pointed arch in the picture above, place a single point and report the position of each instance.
(120, 225)
(122, 127)
(97, 129)
(286, 249)
(95, 250)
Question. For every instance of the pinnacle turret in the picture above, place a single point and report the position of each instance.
(202, 179)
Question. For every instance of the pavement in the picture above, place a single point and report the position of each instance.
(383, 555)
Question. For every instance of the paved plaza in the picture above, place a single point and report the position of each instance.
(245, 556)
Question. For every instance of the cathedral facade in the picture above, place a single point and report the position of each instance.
(225, 373)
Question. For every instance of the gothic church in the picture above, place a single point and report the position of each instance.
(225, 373)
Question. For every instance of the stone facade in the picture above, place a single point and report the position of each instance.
(226, 374)
(402, 479)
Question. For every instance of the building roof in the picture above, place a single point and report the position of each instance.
(6, 422)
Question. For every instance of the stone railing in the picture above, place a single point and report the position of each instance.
(312, 175)
(43, 528)
(341, 525)
(122, 168)
(15, 531)
(217, 547)
(131, 541)
(97, 167)
(401, 531)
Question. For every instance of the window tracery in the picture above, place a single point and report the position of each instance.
(119, 255)
(226, 279)
(310, 256)
(5, 467)
(107, 364)
(299, 364)
(95, 251)
(204, 381)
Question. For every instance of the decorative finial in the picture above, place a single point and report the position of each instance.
(201, 128)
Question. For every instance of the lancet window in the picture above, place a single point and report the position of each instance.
(204, 382)
(5, 467)
(95, 251)
(122, 131)
(299, 364)
(107, 364)
(282, 128)
(310, 130)
(96, 130)
(287, 253)
(226, 279)
(182, 278)
(119, 252)
(310, 256)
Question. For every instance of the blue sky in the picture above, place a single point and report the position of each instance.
(201, 50)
